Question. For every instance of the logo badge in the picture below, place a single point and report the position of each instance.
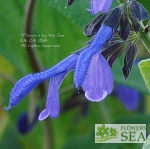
(120, 133)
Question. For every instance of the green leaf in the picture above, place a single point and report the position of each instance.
(144, 66)
(134, 80)
(146, 4)
(10, 141)
(134, 119)
(147, 144)
(11, 27)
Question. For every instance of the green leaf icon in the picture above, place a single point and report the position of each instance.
(113, 132)
(102, 131)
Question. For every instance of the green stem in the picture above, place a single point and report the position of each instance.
(121, 1)
(37, 67)
(145, 37)
(48, 134)
(32, 55)
(66, 89)
(32, 107)
(105, 112)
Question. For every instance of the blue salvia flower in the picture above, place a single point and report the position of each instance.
(128, 96)
(99, 6)
(98, 82)
(23, 124)
(92, 72)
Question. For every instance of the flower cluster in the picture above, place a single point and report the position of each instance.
(91, 64)
(92, 72)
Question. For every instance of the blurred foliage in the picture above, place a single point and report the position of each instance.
(71, 129)
(144, 66)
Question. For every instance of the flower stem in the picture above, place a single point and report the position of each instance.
(105, 112)
(145, 37)
(32, 55)
(37, 67)
(49, 134)
(121, 1)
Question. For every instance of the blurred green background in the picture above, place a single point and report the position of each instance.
(72, 129)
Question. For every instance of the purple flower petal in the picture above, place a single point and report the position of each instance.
(104, 34)
(27, 83)
(52, 103)
(99, 6)
(128, 96)
(23, 124)
(98, 82)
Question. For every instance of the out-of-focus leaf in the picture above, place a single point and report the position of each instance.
(144, 67)
(88, 142)
(131, 81)
(138, 11)
(146, 4)
(147, 144)
(3, 122)
(77, 12)
(10, 139)
(10, 34)
(59, 30)
(135, 119)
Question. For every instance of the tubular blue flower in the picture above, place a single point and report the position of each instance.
(91, 70)
(103, 35)
(23, 124)
(128, 96)
(99, 6)
(29, 82)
